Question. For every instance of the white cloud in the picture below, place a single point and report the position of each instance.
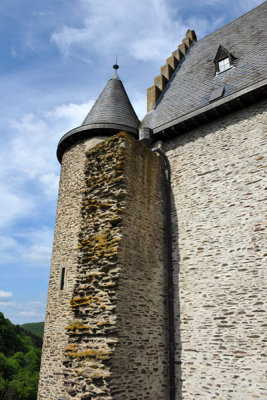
(8, 304)
(32, 247)
(28, 313)
(49, 184)
(32, 142)
(34, 139)
(68, 36)
(13, 206)
(9, 249)
(38, 303)
(35, 136)
(42, 235)
(72, 114)
(22, 312)
(5, 295)
(7, 242)
(38, 255)
(143, 30)
(13, 52)
(38, 247)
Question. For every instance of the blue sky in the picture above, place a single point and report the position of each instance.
(56, 57)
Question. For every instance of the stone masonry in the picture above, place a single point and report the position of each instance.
(65, 254)
(106, 330)
(219, 233)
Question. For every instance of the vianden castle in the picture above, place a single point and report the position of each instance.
(157, 287)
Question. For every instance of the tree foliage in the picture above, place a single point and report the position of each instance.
(20, 354)
(34, 327)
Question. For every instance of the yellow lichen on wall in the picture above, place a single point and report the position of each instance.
(94, 301)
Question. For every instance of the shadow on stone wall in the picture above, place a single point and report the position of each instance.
(175, 369)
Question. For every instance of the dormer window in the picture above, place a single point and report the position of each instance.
(223, 60)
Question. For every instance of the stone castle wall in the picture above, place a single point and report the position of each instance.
(219, 227)
(105, 333)
(65, 255)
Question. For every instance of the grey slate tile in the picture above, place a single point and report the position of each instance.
(113, 106)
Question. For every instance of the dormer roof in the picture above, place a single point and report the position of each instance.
(222, 52)
(111, 113)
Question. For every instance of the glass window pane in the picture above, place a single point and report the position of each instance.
(224, 64)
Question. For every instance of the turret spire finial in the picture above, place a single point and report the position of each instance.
(116, 67)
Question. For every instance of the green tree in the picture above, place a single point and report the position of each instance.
(12, 393)
(8, 367)
(9, 341)
(20, 354)
(3, 386)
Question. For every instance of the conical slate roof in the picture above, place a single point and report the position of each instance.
(111, 113)
(113, 107)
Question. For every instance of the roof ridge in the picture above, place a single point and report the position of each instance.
(172, 62)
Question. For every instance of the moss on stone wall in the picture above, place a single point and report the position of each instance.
(92, 333)
(104, 333)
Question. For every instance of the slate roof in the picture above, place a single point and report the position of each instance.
(113, 107)
(190, 86)
(111, 113)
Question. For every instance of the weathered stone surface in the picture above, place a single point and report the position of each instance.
(105, 334)
(65, 254)
(219, 230)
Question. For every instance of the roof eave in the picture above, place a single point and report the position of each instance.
(220, 107)
(90, 130)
